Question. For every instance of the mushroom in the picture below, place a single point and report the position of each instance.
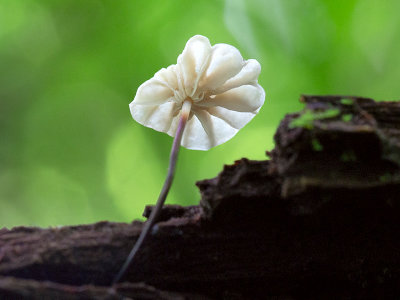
(202, 102)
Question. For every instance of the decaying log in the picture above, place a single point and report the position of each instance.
(321, 218)
(339, 145)
(16, 288)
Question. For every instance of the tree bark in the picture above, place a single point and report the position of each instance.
(319, 219)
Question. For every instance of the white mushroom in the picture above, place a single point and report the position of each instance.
(221, 86)
(202, 101)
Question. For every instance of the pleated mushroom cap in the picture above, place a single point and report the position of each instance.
(222, 86)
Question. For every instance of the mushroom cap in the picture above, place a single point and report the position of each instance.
(222, 86)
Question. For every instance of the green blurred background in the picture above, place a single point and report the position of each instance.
(70, 152)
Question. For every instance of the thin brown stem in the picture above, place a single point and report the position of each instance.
(164, 192)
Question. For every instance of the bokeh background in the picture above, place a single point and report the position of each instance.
(70, 152)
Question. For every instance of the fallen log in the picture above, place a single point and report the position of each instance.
(319, 219)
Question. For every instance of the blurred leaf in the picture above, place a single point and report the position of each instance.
(380, 34)
(134, 173)
(42, 196)
(69, 149)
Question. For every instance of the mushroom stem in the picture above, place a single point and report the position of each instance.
(185, 112)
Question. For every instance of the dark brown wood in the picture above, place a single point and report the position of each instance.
(351, 147)
(320, 219)
(16, 288)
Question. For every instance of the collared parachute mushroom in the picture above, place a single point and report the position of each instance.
(202, 102)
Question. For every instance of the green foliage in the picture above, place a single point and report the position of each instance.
(307, 117)
(348, 156)
(347, 117)
(385, 177)
(69, 150)
(316, 145)
(346, 101)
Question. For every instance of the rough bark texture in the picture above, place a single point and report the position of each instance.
(320, 219)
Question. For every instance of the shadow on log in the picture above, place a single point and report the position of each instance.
(320, 219)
